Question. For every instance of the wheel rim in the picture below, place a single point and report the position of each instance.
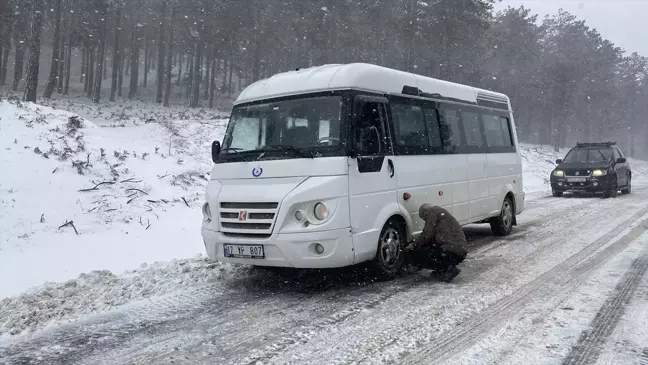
(507, 213)
(390, 244)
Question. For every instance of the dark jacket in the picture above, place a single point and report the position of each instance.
(441, 229)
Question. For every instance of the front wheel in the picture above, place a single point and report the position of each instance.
(627, 189)
(502, 225)
(612, 191)
(391, 250)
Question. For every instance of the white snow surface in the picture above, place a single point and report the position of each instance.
(158, 162)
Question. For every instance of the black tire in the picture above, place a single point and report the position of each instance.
(628, 188)
(390, 254)
(612, 191)
(502, 225)
(557, 194)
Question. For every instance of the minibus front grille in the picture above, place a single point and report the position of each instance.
(255, 218)
(578, 172)
(247, 235)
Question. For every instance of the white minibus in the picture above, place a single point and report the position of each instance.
(327, 167)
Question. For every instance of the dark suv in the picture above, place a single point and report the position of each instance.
(594, 168)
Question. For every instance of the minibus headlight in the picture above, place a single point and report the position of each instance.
(599, 173)
(206, 210)
(320, 211)
(559, 173)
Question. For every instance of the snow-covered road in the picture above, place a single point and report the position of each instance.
(569, 286)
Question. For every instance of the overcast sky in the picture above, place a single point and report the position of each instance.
(624, 22)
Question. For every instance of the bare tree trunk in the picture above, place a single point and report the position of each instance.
(61, 70)
(212, 79)
(161, 54)
(91, 72)
(68, 66)
(134, 63)
(190, 65)
(207, 83)
(116, 63)
(31, 86)
(84, 64)
(120, 80)
(101, 58)
(5, 46)
(86, 71)
(146, 61)
(167, 91)
(54, 67)
(231, 73)
(180, 69)
(19, 65)
(224, 86)
(195, 87)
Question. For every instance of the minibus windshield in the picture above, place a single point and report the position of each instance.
(294, 127)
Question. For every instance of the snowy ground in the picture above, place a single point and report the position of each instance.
(526, 298)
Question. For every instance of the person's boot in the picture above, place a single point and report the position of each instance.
(450, 273)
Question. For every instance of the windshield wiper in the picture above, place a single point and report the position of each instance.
(231, 149)
(282, 147)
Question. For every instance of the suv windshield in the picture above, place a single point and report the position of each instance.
(296, 126)
(589, 155)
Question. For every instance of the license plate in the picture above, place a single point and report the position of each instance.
(244, 251)
(576, 179)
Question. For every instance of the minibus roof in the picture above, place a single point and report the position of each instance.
(363, 76)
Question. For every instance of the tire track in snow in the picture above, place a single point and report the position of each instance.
(644, 357)
(588, 347)
(557, 278)
(544, 234)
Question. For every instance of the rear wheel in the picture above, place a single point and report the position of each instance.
(627, 189)
(556, 194)
(502, 225)
(391, 250)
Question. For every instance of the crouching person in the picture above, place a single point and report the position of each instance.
(442, 244)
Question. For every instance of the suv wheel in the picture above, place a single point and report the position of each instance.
(628, 189)
(614, 188)
(391, 250)
(502, 225)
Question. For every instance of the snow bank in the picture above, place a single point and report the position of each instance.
(101, 290)
(132, 193)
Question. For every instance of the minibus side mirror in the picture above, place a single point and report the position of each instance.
(558, 161)
(621, 160)
(216, 147)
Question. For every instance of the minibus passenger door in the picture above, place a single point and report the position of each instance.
(372, 181)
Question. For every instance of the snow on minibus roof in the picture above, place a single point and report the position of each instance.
(360, 76)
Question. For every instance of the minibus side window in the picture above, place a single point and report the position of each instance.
(370, 128)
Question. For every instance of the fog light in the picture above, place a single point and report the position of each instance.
(560, 183)
(595, 183)
(299, 216)
(319, 249)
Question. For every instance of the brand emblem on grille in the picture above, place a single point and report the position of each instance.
(577, 173)
(243, 215)
(257, 171)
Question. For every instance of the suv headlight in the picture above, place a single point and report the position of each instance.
(599, 172)
(559, 173)
(320, 211)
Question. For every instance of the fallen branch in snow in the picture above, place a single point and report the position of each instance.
(157, 201)
(131, 180)
(149, 224)
(69, 224)
(98, 185)
(162, 177)
(185, 201)
(141, 191)
(42, 220)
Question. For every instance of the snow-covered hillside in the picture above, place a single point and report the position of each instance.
(132, 192)
(90, 206)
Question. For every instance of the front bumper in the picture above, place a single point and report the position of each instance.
(590, 185)
(288, 249)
